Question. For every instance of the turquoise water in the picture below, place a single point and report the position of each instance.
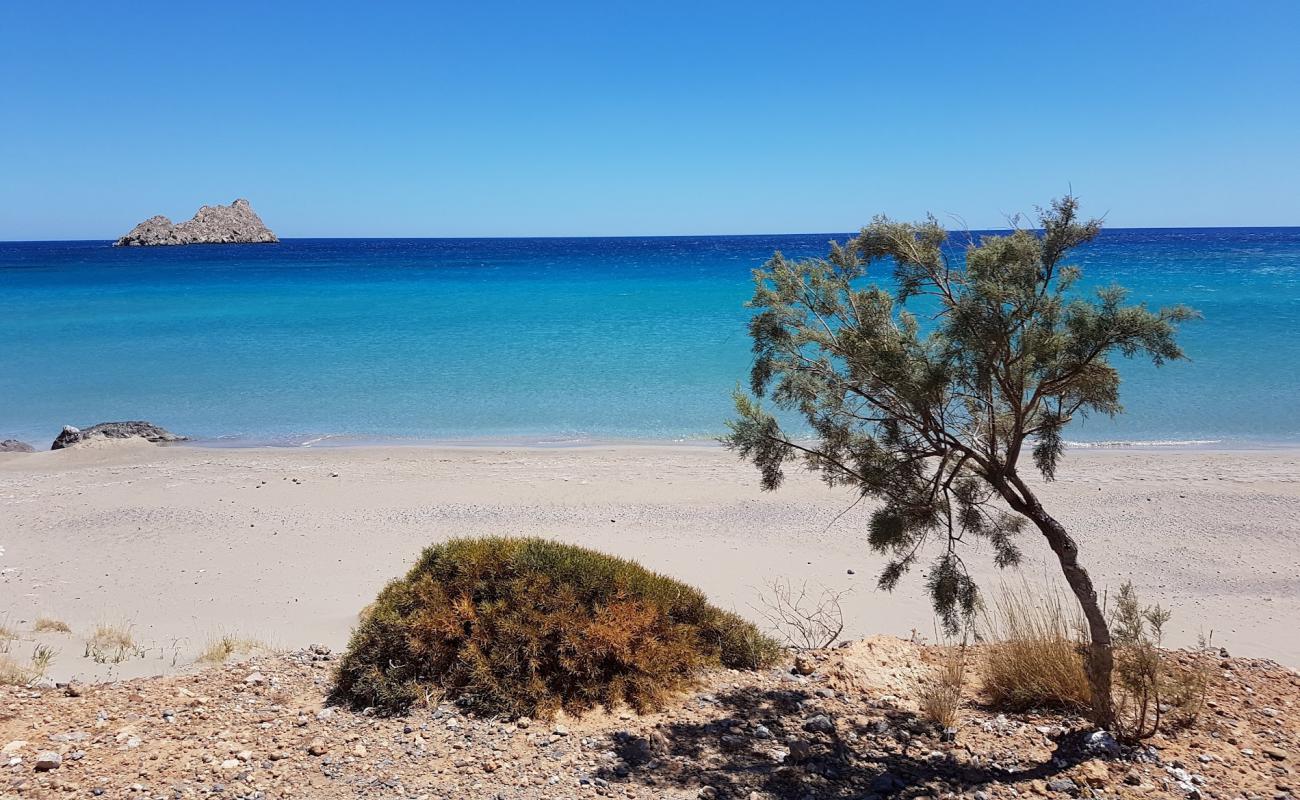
(545, 339)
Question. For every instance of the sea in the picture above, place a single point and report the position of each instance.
(551, 341)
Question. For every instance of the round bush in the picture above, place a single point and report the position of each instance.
(528, 626)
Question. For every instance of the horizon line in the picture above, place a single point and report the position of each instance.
(1104, 230)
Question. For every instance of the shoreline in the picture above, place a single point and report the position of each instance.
(349, 442)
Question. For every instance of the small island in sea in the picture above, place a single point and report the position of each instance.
(236, 223)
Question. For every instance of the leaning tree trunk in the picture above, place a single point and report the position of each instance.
(1100, 660)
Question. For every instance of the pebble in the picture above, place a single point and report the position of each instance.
(318, 747)
(1063, 786)
(48, 760)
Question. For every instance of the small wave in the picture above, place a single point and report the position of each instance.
(1143, 443)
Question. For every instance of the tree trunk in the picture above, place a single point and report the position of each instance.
(1100, 660)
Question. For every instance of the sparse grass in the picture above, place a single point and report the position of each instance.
(111, 644)
(50, 625)
(7, 635)
(1034, 654)
(528, 626)
(42, 657)
(222, 647)
(12, 673)
(940, 696)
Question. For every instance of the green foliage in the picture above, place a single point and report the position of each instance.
(931, 420)
(528, 626)
(1153, 692)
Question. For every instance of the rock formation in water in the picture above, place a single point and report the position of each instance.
(135, 429)
(15, 446)
(236, 223)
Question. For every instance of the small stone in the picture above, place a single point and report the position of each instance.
(800, 750)
(523, 722)
(48, 760)
(708, 793)
(255, 679)
(803, 665)
(560, 730)
(13, 747)
(1095, 774)
(1275, 753)
(732, 742)
(231, 763)
(819, 724)
(359, 751)
(1063, 786)
(318, 747)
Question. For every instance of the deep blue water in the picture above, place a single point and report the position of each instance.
(545, 339)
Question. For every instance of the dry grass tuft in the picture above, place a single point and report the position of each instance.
(111, 644)
(222, 647)
(12, 673)
(50, 625)
(528, 626)
(940, 696)
(1034, 657)
(7, 635)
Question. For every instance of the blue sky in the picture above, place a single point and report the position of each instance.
(501, 119)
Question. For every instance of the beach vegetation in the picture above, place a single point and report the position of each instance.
(12, 673)
(1033, 658)
(50, 625)
(223, 646)
(526, 626)
(1033, 653)
(804, 619)
(111, 644)
(1154, 692)
(929, 390)
(42, 658)
(940, 694)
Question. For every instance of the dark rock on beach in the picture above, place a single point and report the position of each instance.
(236, 223)
(15, 446)
(134, 429)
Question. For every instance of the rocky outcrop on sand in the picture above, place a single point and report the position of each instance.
(15, 446)
(134, 429)
(236, 223)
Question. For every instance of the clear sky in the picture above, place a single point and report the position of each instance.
(481, 118)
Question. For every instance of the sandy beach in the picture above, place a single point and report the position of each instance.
(184, 543)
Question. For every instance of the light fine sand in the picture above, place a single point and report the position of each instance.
(181, 544)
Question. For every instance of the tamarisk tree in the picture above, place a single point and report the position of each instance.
(926, 396)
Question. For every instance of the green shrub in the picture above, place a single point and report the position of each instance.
(528, 626)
